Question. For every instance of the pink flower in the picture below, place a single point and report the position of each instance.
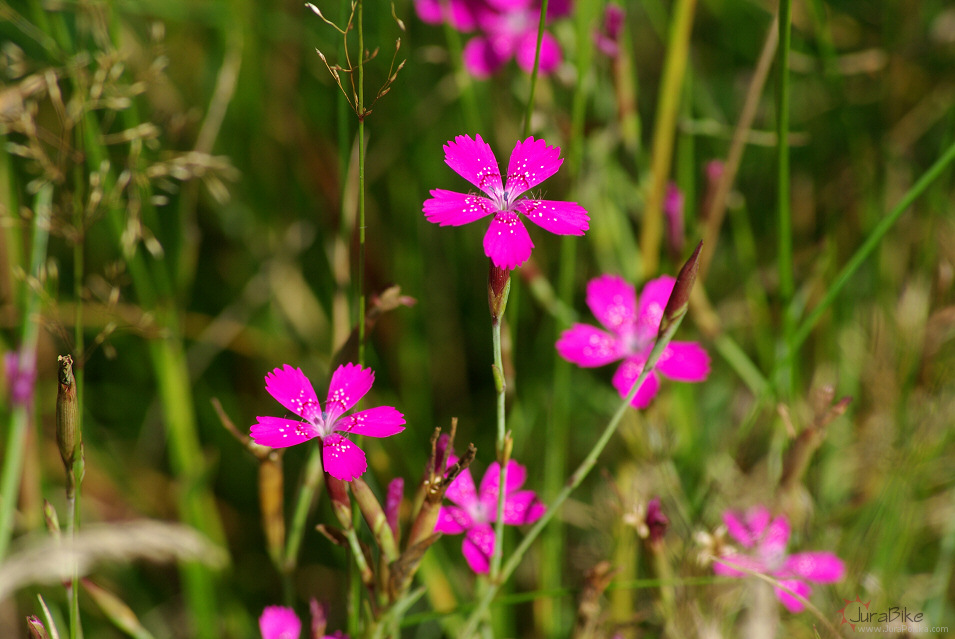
(506, 242)
(342, 459)
(477, 510)
(608, 38)
(632, 330)
(279, 622)
(765, 539)
(506, 29)
(20, 370)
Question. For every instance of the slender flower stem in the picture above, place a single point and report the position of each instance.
(502, 453)
(785, 246)
(354, 591)
(536, 70)
(663, 339)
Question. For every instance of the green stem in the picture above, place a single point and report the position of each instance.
(785, 246)
(536, 70)
(502, 455)
(664, 132)
(354, 590)
(21, 413)
(573, 482)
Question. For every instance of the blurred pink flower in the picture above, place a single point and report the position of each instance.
(766, 538)
(506, 242)
(673, 210)
(279, 622)
(342, 459)
(506, 29)
(632, 330)
(608, 38)
(477, 510)
(20, 370)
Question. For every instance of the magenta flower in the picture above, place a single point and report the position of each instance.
(342, 459)
(632, 331)
(765, 538)
(506, 242)
(279, 622)
(506, 29)
(477, 510)
(20, 370)
(608, 38)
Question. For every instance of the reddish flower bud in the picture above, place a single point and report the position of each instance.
(498, 287)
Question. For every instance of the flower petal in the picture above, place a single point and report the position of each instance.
(522, 507)
(733, 565)
(462, 491)
(801, 588)
(448, 208)
(291, 389)
(613, 302)
(588, 346)
(653, 299)
(627, 374)
(507, 242)
(475, 162)
(772, 543)
(478, 547)
(514, 478)
(342, 458)
(381, 421)
(822, 567)
(527, 49)
(532, 162)
(434, 12)
(748, 528)
(279, 432)
(685, 362)
(561, 218)
(350, 382)
(279, 622)
(453, 520)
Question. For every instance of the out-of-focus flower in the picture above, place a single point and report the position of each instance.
(342, 459)
(476, 510)
(20, 370)
(506, 242)
(608, 38)
(764, 539)
(633, 329)
(656, 521)
(279, 622)
(673, 210)
(505, 29)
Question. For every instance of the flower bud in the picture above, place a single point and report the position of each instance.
(36, 628)
(498, 287)
(656, 522)
(66, 418)
(679, 301)
(393, 505)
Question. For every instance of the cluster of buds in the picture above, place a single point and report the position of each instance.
(388, 580)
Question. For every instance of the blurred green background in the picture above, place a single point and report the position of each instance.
(204, 161)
